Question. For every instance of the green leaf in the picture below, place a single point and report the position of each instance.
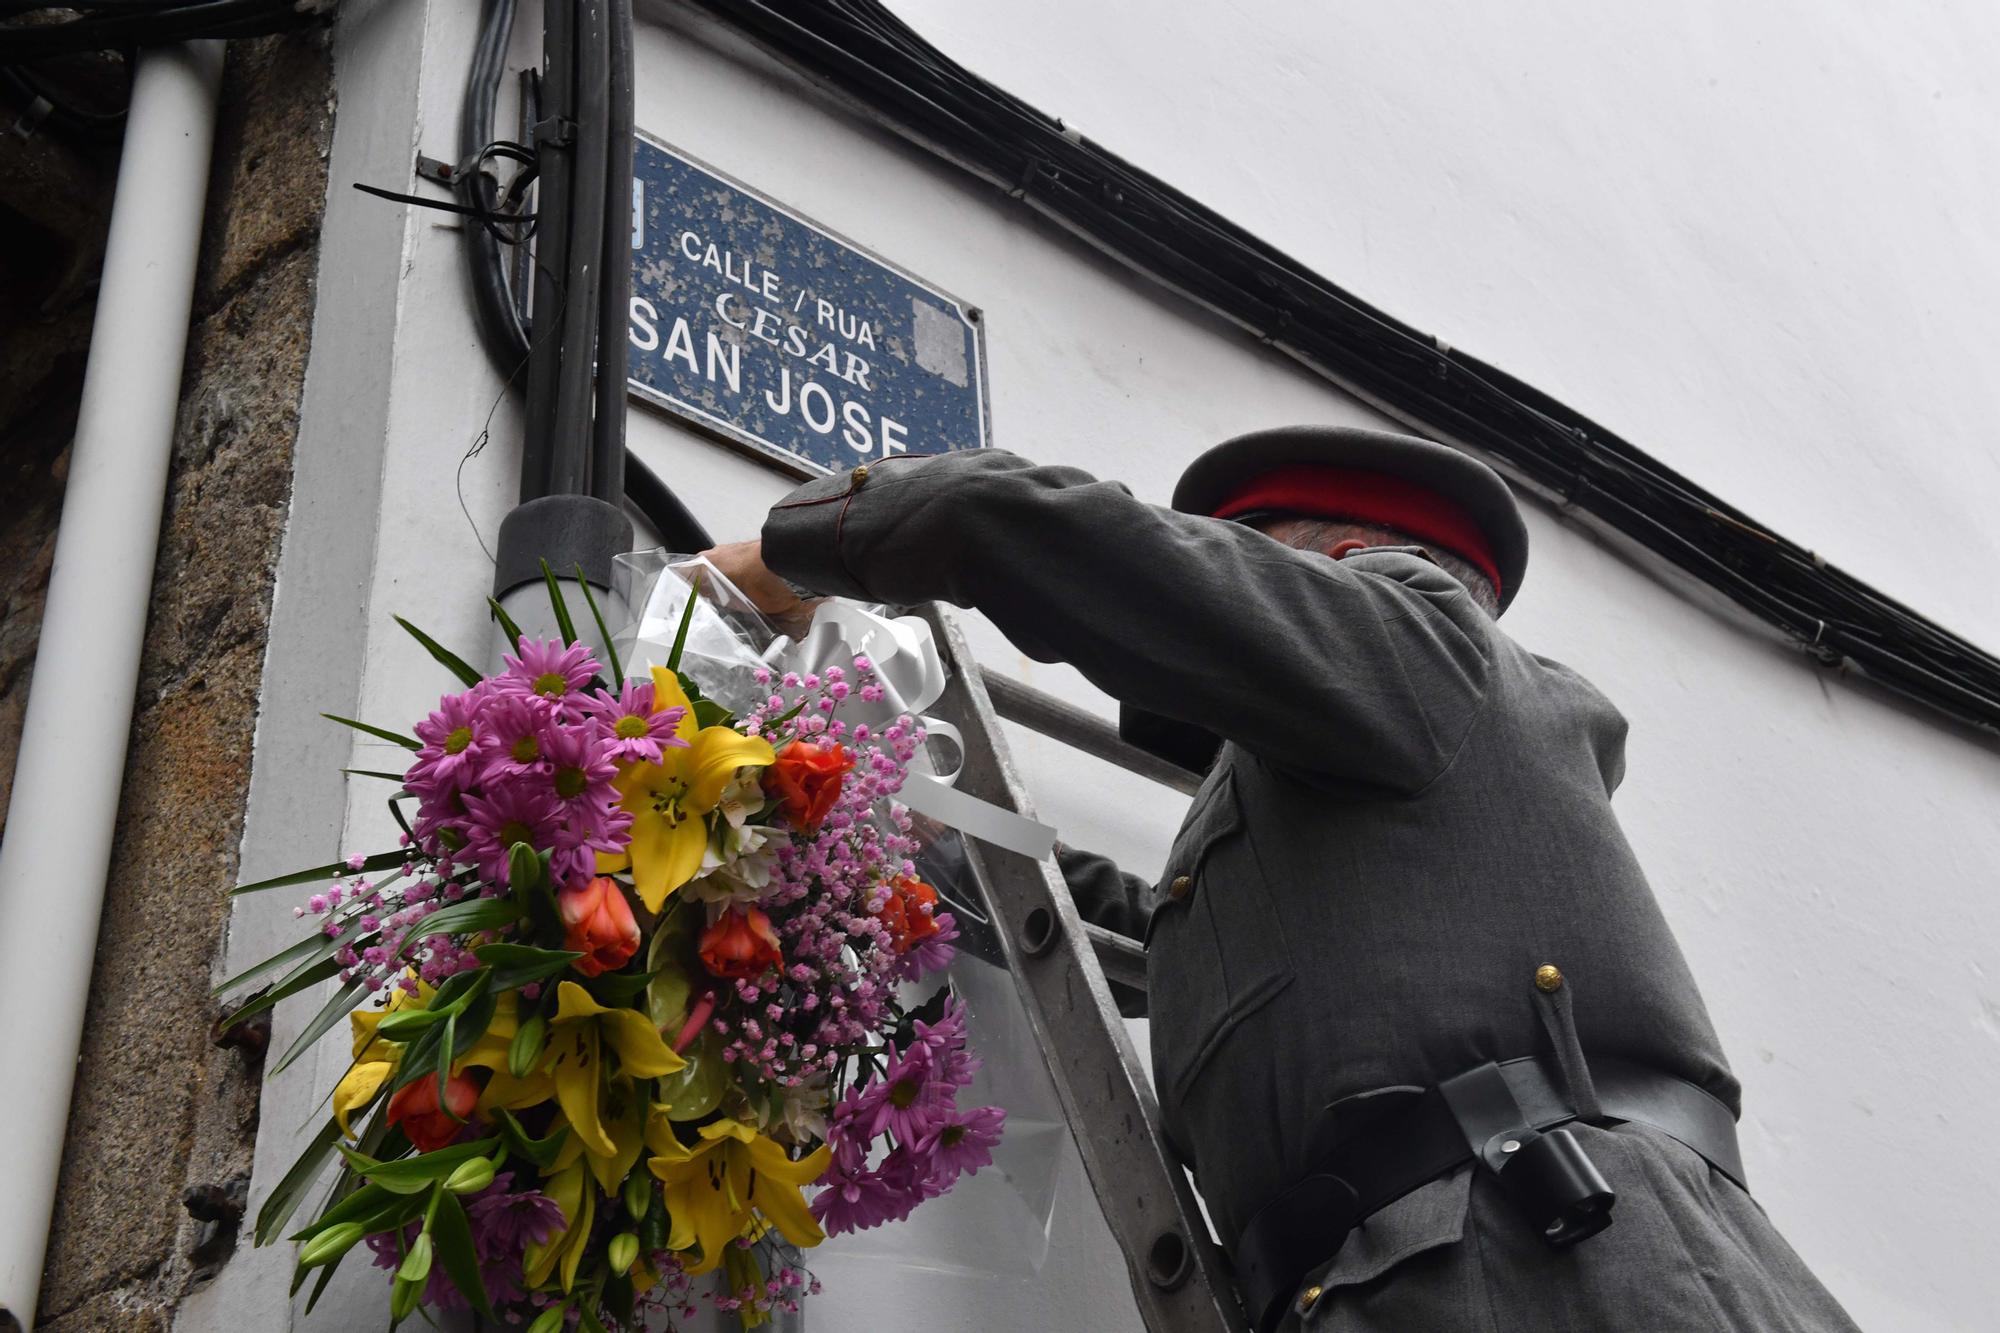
(312, 975)
(667, 997)
(291, 1190)
(586, 1321)
(687, 619)
(697, 1088)
(709, 713)
(442, 1068)
(515, 965)
(539, 1151)
(513, 631)
(564, 624)
(372, 773)
(407, 742)
(307, 951)
(604, 632)
(336, 1009)
(452, 1234)
(466, 917)
(617, 988)
(448, 659)
(396, 812)
(379, 861)
(618, 1296)
(413, 1175)
(358, 1206)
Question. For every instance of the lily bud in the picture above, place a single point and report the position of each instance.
(624, 1248)
(638, 1194)
(417, 1263)
(403, 1298)
(525, 1051)
(330, 1244)
(549, 1320)
(406, 1023)
(470, 1177)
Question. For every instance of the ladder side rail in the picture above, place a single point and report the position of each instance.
(1178, 1275)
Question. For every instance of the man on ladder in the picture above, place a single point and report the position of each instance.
(1418, 1025)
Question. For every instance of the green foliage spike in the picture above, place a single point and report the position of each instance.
(451, 661)
(407, 742)
(604, 632)
(564, 624)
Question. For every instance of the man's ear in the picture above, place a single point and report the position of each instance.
(1342, 549)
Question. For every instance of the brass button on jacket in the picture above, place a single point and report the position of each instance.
(1309, 1298)
(1179, 888)
(1548, 978)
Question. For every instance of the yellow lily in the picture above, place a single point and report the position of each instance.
(720, 1186)
(503, 1091)
(623, 1118)
(574, 1059)
(570, 1190)
(375, 1060)
(670, 801)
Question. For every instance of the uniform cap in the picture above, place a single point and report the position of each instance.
(1432, 491)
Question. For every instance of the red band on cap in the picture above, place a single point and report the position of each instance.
(1313, 490)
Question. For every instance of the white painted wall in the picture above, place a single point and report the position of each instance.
(1752, 241)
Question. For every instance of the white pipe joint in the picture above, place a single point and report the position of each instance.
(56, 856)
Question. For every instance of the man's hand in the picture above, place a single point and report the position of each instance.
(742, 563)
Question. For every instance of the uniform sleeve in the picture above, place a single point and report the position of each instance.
(1107, 896)
(1371, 677)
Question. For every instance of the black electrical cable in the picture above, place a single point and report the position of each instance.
(45, 105)
(865, 53)
(554, 146)
(607, 427)
(500, 326)
(105, 27)
(570, 456)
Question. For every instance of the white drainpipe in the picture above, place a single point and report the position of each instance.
(56, 856)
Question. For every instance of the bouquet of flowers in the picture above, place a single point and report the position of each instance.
(629, 992)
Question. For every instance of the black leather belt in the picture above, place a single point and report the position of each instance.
(1415, 1138)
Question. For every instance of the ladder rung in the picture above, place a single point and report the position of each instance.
(1122, 957)
(1039, 711)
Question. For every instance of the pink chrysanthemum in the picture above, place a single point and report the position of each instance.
(549, 670)
(632, 730)
(962, 1142)
(450, 757)
(907, 1100)
(858, 1200)
(513, 736)
(578, 774)
(502, 817)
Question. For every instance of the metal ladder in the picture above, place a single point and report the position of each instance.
(1060, 966)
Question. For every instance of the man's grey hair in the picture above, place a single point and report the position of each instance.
(1322, 535)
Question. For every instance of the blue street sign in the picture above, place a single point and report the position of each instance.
(767, 329)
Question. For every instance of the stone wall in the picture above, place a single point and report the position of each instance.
(163, 1120)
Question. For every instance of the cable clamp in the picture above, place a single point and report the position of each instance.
(555, 131)
(1028, 174)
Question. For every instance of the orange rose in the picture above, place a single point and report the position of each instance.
(910, 913)
(415, 1109)
(806, 779)
(740, 944)
(599, 925)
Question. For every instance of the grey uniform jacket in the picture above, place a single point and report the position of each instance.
(1410, 814)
